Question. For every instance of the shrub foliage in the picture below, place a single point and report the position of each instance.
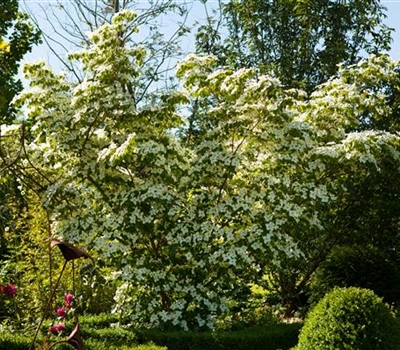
(350, 318)
(363, 267)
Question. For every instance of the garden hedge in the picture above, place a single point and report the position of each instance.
(102, 332)
(17, 342)
(269, 337)
(14, 342)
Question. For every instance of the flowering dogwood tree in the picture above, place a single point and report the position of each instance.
(187, 227)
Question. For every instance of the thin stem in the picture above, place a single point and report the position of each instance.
(47, 306)
(73, 277)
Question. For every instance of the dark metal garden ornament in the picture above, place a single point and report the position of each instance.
(75, 338)
(70, 253)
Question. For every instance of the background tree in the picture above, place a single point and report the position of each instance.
(17, 36)
(299, 42)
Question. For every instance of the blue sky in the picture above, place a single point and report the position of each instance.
(197, 13)
(393, 20)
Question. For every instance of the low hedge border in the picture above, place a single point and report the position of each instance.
(269, 337)
(16, 342)
(99, 333)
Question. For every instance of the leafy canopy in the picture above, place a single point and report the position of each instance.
(301, 42)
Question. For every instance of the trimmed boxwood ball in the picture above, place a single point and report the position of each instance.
(350, 319)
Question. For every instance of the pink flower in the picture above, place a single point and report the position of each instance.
(9, 290)
(60, 328)
(53, 330)
(61, 312)
(68, 299)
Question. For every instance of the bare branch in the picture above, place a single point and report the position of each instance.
(69, 24)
